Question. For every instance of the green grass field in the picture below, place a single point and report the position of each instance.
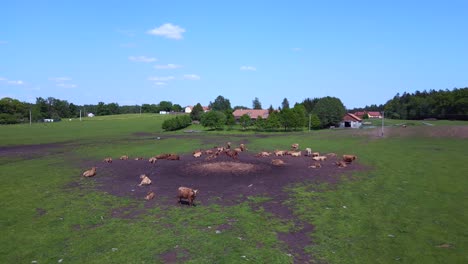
(408, 207)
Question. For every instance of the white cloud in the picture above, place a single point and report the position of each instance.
(167, 66)
(160, 83)
(67, 85)
(142, 59)
(168, 31)
(161, 78)
(2, 79)
(19, 82)
(63, 82)
(193, 77)
(248, 68)
(60, 79)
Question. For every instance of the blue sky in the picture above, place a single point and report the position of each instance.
(363, 52)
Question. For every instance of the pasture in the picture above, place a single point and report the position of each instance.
(403, 201)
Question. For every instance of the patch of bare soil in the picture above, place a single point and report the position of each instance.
(223, 181)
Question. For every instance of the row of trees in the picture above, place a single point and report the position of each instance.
(442, 104)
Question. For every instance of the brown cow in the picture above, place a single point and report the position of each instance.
(186, 193)
(108, 160)
(319, 158)
(173, 157)
(295, 146)
(152, 160)
(316, 165)
(242, 147)
(315, 154)
(279, 153)
(90, 173)
(149, 196)
(263, 154)
(145, 180)
(162, 156)
(295, 153)
(341, 164)
(232, 153)
(277, 162)
(124, 157)
(197, 154)
(208, 152)
(349, 158)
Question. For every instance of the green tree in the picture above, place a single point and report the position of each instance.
(213, 119)
(273, 121)
(260, 123)
(230, 120)
(197, 112)
(271, 109)
(309, 104)
(102, 109)
(220, 104)
(299, 116)
(285, 104)
(165, 106)
(176, 108)
(330, 110)
(245, 121)
(315, 121)
(256, 103)
(12, 111)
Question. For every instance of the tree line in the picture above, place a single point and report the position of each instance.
(442, 104)
(13, 111)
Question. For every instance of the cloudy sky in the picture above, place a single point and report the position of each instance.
(363, 52)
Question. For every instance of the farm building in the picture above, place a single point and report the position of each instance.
(374, 115)
(189, 108)
(253, 113)
(90, 115)
(351, 120)
(369, 114)
(48, 120)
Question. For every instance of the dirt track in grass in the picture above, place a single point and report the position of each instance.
(224, 181)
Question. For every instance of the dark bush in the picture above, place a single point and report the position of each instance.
(176, 123)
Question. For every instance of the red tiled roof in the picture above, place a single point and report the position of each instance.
(360, 114)
(373, 113)
(253, 113)
(351, 117)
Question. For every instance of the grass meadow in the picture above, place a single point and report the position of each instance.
(409, 206)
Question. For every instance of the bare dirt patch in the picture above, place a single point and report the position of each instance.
(223, 181)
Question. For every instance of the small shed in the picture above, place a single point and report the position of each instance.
(90, 115)
(351, 121)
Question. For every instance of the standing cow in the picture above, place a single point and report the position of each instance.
(186, 193)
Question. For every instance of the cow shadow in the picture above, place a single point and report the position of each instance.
(185, 203)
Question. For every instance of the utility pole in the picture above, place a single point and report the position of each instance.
(383, 117)
(140, 109)
(30, 115)
(80, 114)
(309, 122)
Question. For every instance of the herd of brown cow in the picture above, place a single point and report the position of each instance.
(190, 194)
(295, 152)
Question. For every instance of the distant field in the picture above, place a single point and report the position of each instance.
(407, 205)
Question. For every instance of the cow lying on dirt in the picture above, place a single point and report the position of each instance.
(232, 153)
(295, 153)
(341, 164)
(295, 146)
(280, 153)
(108, 160)
(168, 156)
(349, 158)
(149, 196)
(124, 157)
(319, 158)
(197, 153)
(277, 162)
(263, 154)
(152, 160)
(139, 158)
(316, 165)
(242, 147)
(90, 173)
(331, 155)
(145, 180)
(315, 154)
(186, 193)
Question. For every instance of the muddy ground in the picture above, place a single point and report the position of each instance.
(224, 181)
